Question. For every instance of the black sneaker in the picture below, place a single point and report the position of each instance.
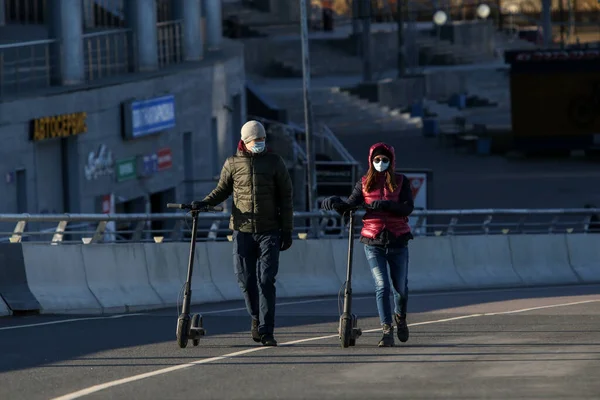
(268, 340)
(254, 330)
(401, 328)
(388, 337)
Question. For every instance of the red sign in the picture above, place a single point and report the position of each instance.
(106, 204)
(415, 186)
(165, 160)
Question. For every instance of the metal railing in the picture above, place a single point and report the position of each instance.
(25, 12)
(104, 13)
(26, 65)
(107, 53)
(92, 228)
(170, 44)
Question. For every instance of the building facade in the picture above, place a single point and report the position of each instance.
(156, 130)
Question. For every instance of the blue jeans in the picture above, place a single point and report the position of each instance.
(397, 258)
(256, 263)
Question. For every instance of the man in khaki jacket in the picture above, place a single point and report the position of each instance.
(261, 220)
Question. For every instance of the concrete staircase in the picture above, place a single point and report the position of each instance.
(436, 52)
(324, 61)
(344, 113)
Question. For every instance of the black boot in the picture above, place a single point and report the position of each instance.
(401, 327)
(254, 330)
(268, 340)
(388, 336)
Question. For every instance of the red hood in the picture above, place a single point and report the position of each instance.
(242, 148)
(389, 149)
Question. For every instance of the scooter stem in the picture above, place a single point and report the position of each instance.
(348, 291)
(188, 283)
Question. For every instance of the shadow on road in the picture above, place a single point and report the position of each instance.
(41, 346)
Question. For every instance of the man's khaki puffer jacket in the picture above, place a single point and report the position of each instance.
(262, 192)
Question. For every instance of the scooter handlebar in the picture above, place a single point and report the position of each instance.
(344, 208)
(194, 207)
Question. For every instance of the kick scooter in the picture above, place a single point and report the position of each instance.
(348, 329)
(189, 327)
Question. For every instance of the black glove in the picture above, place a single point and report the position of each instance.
(198, 205)
(286, 240)
(342, 207)
(381, 205)
(329, 203)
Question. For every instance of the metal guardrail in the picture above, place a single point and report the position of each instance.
(26, 65)
(96, 228)
(170, 42)
(107, 53)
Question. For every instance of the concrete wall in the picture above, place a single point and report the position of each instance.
(202, 91)
(107, 278)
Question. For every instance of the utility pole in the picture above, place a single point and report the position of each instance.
(308, 118)
(401, 60)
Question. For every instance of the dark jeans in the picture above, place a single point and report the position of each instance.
(397, 258)
(256, 263)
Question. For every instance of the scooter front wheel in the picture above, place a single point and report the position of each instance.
(345, 332)
(182, 332)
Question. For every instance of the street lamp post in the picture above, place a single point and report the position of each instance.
(308, 118)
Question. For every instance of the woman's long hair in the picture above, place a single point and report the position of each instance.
(371, 180)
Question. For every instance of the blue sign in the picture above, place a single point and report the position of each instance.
(145, 117)
(150, 164)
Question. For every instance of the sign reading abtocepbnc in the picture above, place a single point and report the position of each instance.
(147, 117)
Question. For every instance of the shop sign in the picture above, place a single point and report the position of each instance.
(152, 163)
(60, 126)
(146, 117)
(149, 165)
(99, 163)
(126, 169)
(165, 159)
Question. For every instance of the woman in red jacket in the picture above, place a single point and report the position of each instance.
(385, 234)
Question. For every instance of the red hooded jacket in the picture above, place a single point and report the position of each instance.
(374, 222)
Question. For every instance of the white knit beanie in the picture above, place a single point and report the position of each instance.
(252, 130)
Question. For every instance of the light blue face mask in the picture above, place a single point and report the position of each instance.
(258, 147)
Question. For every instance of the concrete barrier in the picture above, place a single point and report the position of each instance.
(130, 277)
(220, 260)
(203, 288)
(541, 259)
(431, 265)
(14, 289)
(117, 276)
(484, 261)
(362, 280)
(584, 255)
(4, 310)
(163, 262)
(308, 269)
(57, 278)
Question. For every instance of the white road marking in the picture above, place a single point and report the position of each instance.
(542, 307)
(107, 385)
(65, 321)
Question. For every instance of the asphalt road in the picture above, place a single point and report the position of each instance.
(526, 343)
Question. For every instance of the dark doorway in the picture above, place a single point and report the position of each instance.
(21, 183)
(136, 205)
(158, 205)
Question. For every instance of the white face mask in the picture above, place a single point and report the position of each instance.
(258, 147)
(381, 166)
